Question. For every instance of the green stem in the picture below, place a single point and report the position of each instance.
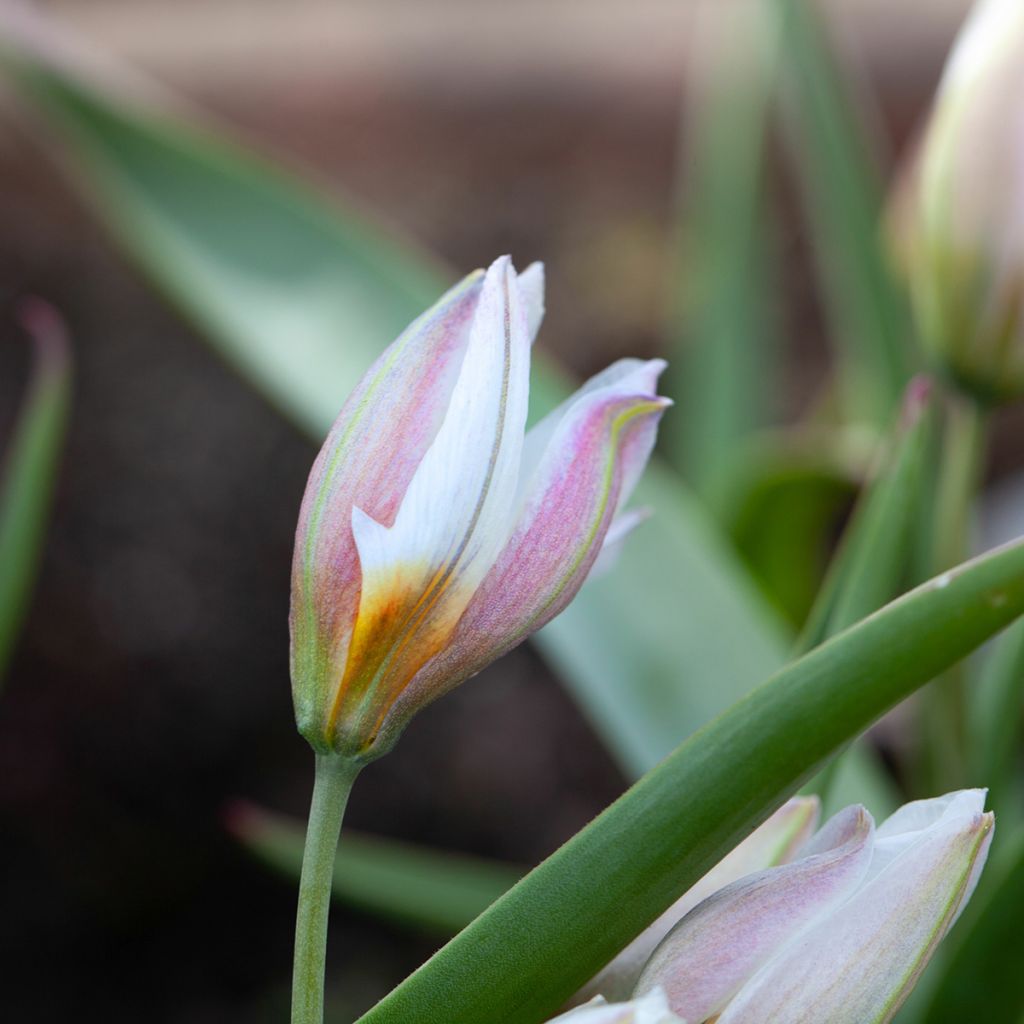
(334, 778)
(959, 477)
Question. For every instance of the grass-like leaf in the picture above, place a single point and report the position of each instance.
(722, 336)
(843, 187)
(434, 890)
(29, 470)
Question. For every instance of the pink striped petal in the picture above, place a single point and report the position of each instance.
(368, 459)
(710, 955)
(595, 452)
(857, 965)
(420, 572)
(776, 842)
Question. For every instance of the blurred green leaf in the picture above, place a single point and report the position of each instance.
(844, 194)
(997, 717)
(982, 976)
(30, 467)
(782, 504)
(873, 562)
(437, 891)
(543, 939)
(722, 361)
(873, 558)
(300, 294)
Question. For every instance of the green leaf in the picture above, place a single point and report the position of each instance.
(873, 562)
(997, 713)
(982, 979)
(437, 891)
(30, 469)
(300, 294)
(844, 193)
(721, 356)
(782, 504)
(540, 942)
(874, 555)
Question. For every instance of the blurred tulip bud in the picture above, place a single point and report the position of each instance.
(434, 536)
(777, 841)
(649, 1009)
(958, 215)
(840, 935)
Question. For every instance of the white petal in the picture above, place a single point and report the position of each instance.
(724, 942)
(913, 821)
(649, 1009)
(531, 287)
(776, 841)
(858, 965)
(456, 513)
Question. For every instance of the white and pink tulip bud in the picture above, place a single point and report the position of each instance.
(436, 532)
(841, 934)
(777, 841)
(959, 210)
(652, 1008)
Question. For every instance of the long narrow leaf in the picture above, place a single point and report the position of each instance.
(300, 294)
(874, 555)
(30, 468)
(437, 891)
(997, 718)
(721, 368)
(844, 193)
(541, 941)
(873, 560)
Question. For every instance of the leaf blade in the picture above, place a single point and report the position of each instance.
(30, 470)
(433, 890)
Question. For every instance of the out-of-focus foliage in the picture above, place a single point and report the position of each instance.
(428, 889)
(722, 361)
(29, 469)
(843, 186)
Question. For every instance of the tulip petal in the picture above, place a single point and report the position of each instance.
(714, 951)
(368, 459)
(652, 1008)
(531, 288)
(859, 965)
(595, 454)
(775, 842)
(419, 573)
(911, 822)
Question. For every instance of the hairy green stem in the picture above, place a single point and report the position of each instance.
(334, 778)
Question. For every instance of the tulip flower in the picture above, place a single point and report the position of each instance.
(649, 1009)
(436, 533)
(840, 934)
(959, 211)
(777, 841)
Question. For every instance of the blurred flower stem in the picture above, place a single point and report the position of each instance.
(334, 778)
(960, 472)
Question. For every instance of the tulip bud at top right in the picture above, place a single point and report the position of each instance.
(959, 210)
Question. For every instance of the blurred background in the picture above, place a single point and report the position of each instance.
(149, 688)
